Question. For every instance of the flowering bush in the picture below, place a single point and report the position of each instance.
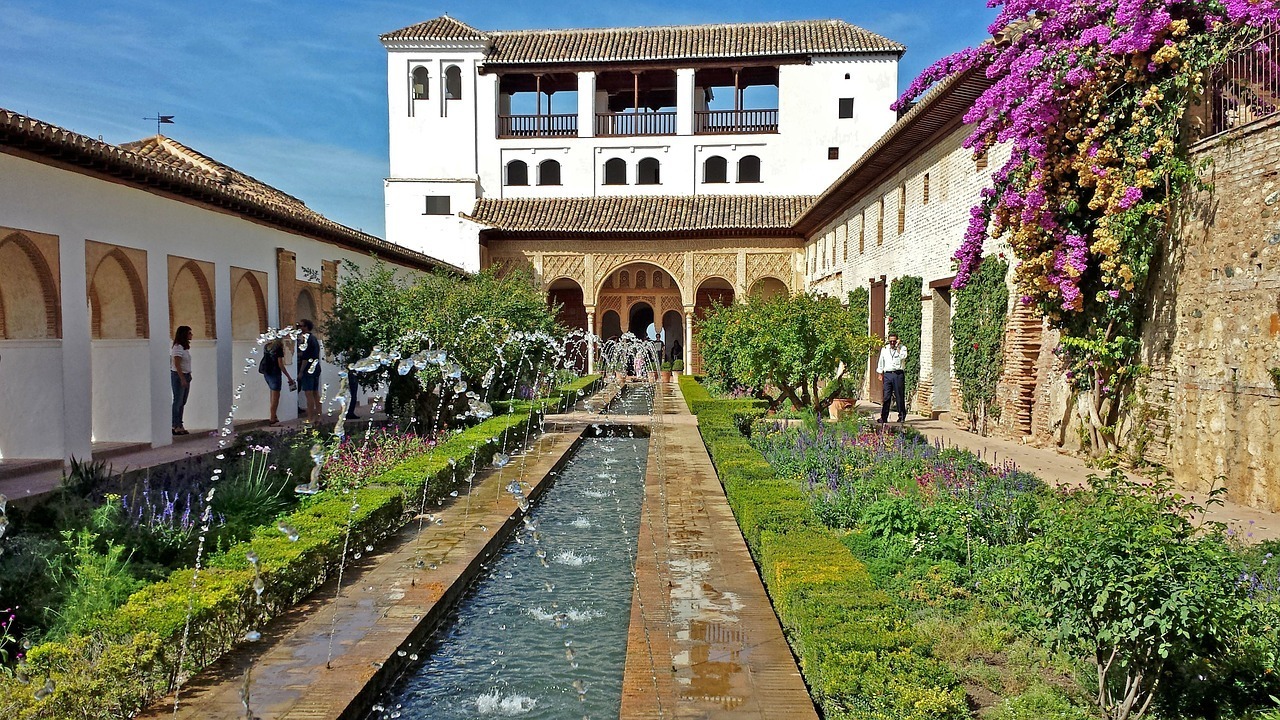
(1090, 96)
(1177, 617)
(358, 459)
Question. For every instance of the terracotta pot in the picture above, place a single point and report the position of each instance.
(653, 376)
(840, 406)
(666, 376)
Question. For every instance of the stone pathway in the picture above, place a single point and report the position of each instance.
(389, 603)
(704, 641)
(26, 479)
(1057, 469)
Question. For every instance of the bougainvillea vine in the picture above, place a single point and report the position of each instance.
(1091, 98)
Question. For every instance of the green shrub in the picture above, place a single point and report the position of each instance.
(131, 655)
(857, 649)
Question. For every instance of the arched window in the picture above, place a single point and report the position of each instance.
(624, 279)
(421, 83)
(517, 173)
(749, 169)
(647, 172)
(641, 279)
(615, 171)
(549, 172)
(715, 170)
(657, 278)
(453, 83)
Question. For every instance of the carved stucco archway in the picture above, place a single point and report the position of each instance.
(742, 267)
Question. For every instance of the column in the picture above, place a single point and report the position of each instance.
(591, 340)
(688, 334)
(587, 105)
(684, 101)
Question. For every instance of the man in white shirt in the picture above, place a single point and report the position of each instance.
(892, 363)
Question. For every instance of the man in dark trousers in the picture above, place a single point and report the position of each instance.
(892, 364)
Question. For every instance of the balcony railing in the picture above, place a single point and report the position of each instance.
(649, 123)
(523, 126)
(710, 122)
(1246, 87)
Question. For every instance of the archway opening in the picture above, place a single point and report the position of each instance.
(768, 288)
(610, 325)
(673, 331)
(29, 303)
(641, 318)
(711, 293)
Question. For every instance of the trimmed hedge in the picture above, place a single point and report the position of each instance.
(132, 656)
(698, 399)
(858, 652)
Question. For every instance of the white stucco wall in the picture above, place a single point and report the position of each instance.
(450, 147)
(118, 390)
(31, 401)
(932, 232)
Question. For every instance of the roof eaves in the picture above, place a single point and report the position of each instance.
(59, 145)
(849, 186)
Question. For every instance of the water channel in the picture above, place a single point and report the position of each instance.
(543, 633)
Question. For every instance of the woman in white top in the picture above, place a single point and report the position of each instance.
(180, 375)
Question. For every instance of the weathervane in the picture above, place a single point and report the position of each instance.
(160, 120)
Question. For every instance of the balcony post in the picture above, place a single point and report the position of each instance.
(587, 103)
(684, 101)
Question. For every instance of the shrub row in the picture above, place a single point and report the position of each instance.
(134, 655)
(858, 652)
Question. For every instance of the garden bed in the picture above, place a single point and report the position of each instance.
(905, 577)
(127, 657)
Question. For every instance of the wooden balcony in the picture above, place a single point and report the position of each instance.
(722, 122)
(647, 123)
(532, 126)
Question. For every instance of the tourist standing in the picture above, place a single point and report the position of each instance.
(892, 364)
(274, 369)
(309, 368)
(180, 375)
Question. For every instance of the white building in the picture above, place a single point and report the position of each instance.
(105, 250)
(748, 109)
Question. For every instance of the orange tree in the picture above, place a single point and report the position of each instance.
(795, 348)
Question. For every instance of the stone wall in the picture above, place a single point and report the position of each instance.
(1211, 410)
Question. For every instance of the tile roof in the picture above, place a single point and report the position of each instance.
(632, 215)
(675, 42)
(164, 164)
(170, 152)
(441, 28)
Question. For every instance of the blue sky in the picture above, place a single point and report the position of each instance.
(293, 92)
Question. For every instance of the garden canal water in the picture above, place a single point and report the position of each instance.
(634, 399)
(543, 633)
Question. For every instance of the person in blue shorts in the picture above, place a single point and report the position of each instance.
(274, 370)
(309, 368)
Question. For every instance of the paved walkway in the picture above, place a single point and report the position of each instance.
(387, 605)
(27, 479)
(1061, 470)
(704, 641)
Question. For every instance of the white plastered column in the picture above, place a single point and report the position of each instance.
(587, 104)
(684, 101)
(591, 340)
(688, 335)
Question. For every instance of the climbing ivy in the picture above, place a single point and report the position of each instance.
(904, 317)
(977, 332)
(860, 317)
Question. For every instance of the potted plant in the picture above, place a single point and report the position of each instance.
(844, 396)
(666, 371)
(677, 367)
